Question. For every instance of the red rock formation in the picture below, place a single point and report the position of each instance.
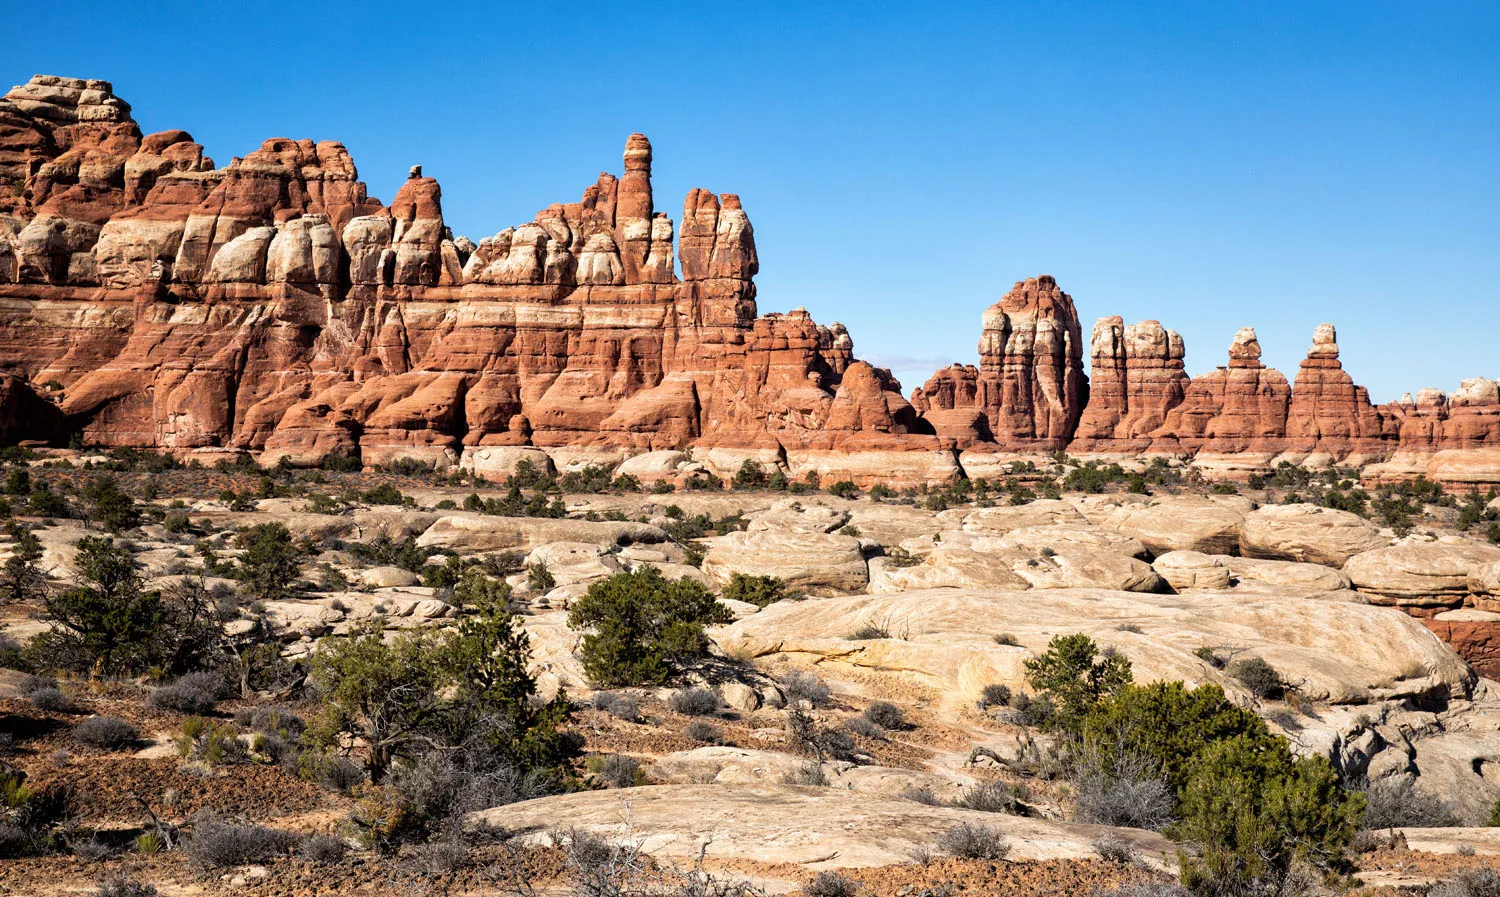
(272, 305)
(1138, 378)
(1239, 408)
(1329, 414)
(1030, 384)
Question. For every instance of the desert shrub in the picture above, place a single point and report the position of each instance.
(208, 741)
(1166, 725)
(322, 850)
(617, 706)
(430, 797)
(120, 884)
(271, 561)
(1397, 803)
(22, 578)
(195, 693)
(618, 771)
(341, 774)
(110, 506)
(1252, 808)
(803, 733)
(1114, 849)
(694, 702)
(861, 725)
(276, 721)
(1211, 657)
(1005, 639)
(105, 732)
(830, 884)
(400, 697)
(1148, 889)
(898, 557)
(973, 841)
(870, 631)
(806, 774)
(760, 591)
(1075, 674)
(799, 686)
(1481, 882)
(991, 797)
(107, 622)
(886, 715)
(50, 698)
(704, 731)
(1259, 677)
(642, 627)
(844, 489)
(1255, 812)
(1124, 790)
(216, 843)
(994, 695)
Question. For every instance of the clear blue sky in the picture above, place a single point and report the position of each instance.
(1208, 164)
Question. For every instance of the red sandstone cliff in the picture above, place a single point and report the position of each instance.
(271, 305)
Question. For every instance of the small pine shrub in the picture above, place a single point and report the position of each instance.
(1259, 677)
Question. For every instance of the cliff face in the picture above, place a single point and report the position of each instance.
(149, 297)
(272, 305)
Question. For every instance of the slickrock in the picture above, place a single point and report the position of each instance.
(1421, 572)
(1284, 573)
(1182, 523)
(818, 828)
(998, 521)
(1341, 652)
(1307, 533)
(813, 561)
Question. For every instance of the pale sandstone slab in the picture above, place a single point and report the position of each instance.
(821, 828)
(1307, 533)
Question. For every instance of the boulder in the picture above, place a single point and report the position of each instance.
(1181, 523)
(1420, 572)
(811, 561)
(1307, 533)
(1192, 570)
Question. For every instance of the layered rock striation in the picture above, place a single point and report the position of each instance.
(150, 297)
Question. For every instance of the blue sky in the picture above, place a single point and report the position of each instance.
(1208, 164)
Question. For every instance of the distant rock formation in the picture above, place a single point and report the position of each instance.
(273, 306)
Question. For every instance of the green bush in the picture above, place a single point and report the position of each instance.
(1248, 804)
(271, 563)
(1075, 674)
(760, 591)
(643, 626)
(844, 489)
(109, 506)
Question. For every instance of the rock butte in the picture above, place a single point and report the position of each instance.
(149, 297)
